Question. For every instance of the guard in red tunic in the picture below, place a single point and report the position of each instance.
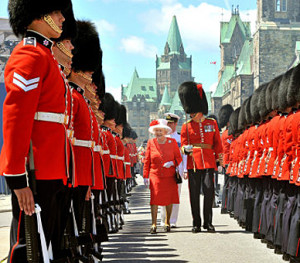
(35, 110)
(87, 54)
(226, 139)
(200, 139)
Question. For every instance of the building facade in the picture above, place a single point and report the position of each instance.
(246, 61)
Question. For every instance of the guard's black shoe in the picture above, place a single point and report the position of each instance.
(224, 211)
(286, 257)
(294, 260)
(277, 250)
(210, 228)
(270, 245)
(196, 229)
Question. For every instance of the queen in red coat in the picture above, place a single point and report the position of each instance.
(161, 159)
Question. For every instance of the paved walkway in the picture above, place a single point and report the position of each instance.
(135, 244)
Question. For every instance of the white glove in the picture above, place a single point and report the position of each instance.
(220, 169)
(146, 181)
(168, 164)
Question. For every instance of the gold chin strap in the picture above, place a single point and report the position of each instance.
(64, 50)
(81, 74)
(67, 71)
(52, 24)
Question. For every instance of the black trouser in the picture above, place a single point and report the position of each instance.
(256, 187)
(205, 179)
(265, 205)
(111, 188)
(233, 183)
(79, 194)
(50, 196)
(225, 191)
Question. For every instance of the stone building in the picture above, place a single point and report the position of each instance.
(149, 98)
(246, 61)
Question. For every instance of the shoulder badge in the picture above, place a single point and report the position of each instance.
(29, 41)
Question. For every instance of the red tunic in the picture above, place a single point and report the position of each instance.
(266, 146)
(82, 131)
(33, 83)
(127, 162)
(295, 166)
(164, 190)
(120, 157)
(226, 142)
(205, 132)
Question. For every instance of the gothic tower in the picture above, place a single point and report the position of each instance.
(278, 30)
(173, 67)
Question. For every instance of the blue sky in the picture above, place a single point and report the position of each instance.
(132, 32)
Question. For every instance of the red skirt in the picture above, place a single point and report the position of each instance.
(163, 190)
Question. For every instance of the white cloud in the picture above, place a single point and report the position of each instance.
(103, 26)
(137, 45)
(199, 25)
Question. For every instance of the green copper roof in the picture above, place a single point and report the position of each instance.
(208, 98)
(298, 46)
(176, 104)
(139, 87)
(174, 38)
(226, 76)
(244, 63)
(166, 100)
(227, 28)
(186, 65)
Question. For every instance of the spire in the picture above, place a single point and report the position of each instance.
(174, 38)
(166, 100)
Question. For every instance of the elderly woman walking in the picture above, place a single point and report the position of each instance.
(161, 159)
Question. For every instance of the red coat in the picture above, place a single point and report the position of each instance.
(82, 131)
(127, 162)
(294, 171)
(99, 174)
(163, 187)
(226, 142)
(34, 83)
(110, 160)
(120, 157)
(206, 132)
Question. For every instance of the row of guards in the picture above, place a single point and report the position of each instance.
(262, 162)
(68, 153)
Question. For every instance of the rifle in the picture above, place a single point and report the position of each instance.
(188, 138)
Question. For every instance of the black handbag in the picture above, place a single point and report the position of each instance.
(178, 178)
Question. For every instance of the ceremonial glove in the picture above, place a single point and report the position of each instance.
(188, 149)
(146, 181)
(168, 164)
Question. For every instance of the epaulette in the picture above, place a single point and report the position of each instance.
(212, 119)
(29, 41)
(188, 121)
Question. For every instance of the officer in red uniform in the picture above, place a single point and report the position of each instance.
(226, 139)
(200, 139)
(34, 111)
(87, 54)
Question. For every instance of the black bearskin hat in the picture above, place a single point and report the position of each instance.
(108, 106)
(122, 116)
(133, 135)
(233, 122)
(23, 12)
(193, 98)
(242, 116)
(262, 108)
(224, 114)
(293, 94)
(254, 107)
(87, 51)
(117, 111)
(99, 81)
(126, 131)
(275, 91)
(248, 115)
(283, 89)
(69, 25)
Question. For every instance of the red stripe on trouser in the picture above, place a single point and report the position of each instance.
(259, 225)
(298, 247)
(18, 236)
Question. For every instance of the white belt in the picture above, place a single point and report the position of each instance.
(120, 158)
(270, 149)
(51, 117)
(126, 163)
(105, 152)
(97, 148)
(84, 143)
(113, 156)
(70, 133)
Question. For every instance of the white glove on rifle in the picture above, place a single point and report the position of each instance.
(168, 164)
(146, 181)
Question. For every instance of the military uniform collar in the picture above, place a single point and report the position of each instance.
(76, 87)
(46, 42)
(116, 134)
(105, 128)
